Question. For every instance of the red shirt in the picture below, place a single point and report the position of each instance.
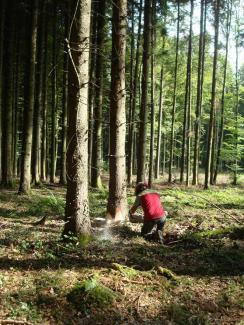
(151, 205)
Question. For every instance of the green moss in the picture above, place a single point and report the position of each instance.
(129, 272)
(168, 274)
(90, 292)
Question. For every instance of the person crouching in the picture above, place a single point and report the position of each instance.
(154, 213)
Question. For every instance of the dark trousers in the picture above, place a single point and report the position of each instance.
(148, 226)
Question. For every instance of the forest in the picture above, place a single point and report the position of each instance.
(96, 97)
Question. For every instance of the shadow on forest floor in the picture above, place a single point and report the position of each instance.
(203, 258)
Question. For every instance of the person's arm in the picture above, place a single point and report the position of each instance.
(135, 205)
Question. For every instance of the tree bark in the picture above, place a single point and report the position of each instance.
(25, 173)
(199, 91)
(92, 65)
(188, 131)
(53, 159)
(2, 22)
(117, 202)
(159, 136)
(187, 111)
(213, 100)
(38, 100)
(98, 100)
(134, 97)
(16, 98)
(236, 109)
(63, 178)
(7, 131)
(171, 153)
(141, 155)
(153, 41)
(222, 103)
(77, 206)
(44, 107)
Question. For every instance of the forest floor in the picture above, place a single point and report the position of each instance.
(118, 277)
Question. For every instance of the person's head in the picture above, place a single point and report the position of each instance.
(140, 187)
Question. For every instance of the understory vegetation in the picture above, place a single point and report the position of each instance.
(118, 277)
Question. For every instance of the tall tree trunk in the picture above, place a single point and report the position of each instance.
(25, 173)
(222, 103)
(38, 101)
(171, 153)
(160, 113)
(153, 41)
(236, 110)
(141, 156)
(7, 132)
(132, 61)
(188, 131)
(199, 91)
(187, 105)
(63, 178)
(16, 100)
(117, 202)
(92, 65)
(53, 159)
(77, 206)
(2, 22)
(213, 100)
(44, 108)
(131, 137)
(98, 100)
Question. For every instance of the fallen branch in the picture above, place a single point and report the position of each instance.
(40, 222)
(13, 322)
(133, 281)
(167, 273)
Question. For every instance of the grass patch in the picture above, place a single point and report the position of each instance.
(47, 205)
(181, 315)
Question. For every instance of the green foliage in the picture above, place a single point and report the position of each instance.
(47, 205)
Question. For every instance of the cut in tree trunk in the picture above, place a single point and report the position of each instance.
(117, 201)
(77, 206)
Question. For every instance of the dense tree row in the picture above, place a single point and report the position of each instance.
(148, 87)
